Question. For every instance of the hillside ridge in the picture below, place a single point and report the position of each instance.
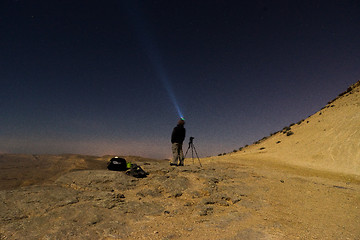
(327, 140)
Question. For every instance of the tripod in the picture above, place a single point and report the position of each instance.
(191, 145)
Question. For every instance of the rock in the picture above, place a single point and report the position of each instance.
(195, 194)
(249, 234)
(149, 192)
(179, 194)
(102, 180)
(206, 211)
(223, 202)
(202, 212)
(207, 201)
(120, 196)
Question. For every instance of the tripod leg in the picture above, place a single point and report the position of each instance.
(192, 152)
(197, 156)
(187, 151)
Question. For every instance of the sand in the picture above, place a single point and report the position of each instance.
(245, 199)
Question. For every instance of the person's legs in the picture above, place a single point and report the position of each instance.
(175, 151)
(181, 155)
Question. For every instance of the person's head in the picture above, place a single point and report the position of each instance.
(181, 122)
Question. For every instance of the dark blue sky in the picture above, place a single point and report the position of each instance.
(98, 77)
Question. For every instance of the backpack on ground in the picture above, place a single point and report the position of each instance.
(117, 164)
(136, 171)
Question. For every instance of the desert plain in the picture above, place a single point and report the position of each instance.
(302, 182)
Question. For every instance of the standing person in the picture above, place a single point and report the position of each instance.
(177, 139)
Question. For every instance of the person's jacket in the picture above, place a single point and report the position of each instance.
(178, 134)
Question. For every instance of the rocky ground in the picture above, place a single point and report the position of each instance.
(220, 200)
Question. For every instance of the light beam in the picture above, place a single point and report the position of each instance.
(147, 42)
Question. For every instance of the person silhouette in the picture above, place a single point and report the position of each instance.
(177, 139)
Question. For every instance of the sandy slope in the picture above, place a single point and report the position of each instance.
(328, 140)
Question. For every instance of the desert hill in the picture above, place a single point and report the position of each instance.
(328, 140)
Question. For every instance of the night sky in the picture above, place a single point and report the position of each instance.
(107, 77)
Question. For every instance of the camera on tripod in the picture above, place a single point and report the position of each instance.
(193, 149)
